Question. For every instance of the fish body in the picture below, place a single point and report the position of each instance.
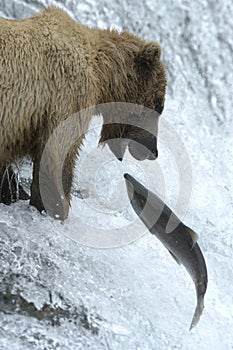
(180, 240)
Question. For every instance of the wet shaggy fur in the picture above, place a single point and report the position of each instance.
(51, 67)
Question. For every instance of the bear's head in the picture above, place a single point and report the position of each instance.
(131, 71)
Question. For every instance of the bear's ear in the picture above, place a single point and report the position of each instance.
(148, 56)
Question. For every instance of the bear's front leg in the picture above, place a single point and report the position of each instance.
(36, 200)
(68, 174)
(51, 186)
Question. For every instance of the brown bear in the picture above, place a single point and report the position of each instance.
(52, 67)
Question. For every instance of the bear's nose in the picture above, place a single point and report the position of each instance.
(153, 155)
(159, 109)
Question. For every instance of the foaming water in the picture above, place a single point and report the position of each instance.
(57, 294)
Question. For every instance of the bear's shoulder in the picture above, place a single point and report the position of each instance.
(54, 14)
(51, 29)
(51, 17)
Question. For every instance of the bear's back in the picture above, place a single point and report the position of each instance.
(45, 72)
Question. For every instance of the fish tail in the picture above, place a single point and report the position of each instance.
(198, 311)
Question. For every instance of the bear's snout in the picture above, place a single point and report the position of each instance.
(159, 109)
(153, 155)
(143, 152)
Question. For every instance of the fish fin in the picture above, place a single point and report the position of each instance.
(174, 257)
(194, 236)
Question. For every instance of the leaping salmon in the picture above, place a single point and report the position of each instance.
(181, 241)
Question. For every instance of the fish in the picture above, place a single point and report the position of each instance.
(180, 240)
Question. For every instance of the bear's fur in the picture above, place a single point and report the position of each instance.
(51, 67)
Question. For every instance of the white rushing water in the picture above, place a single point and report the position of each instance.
(58, 294)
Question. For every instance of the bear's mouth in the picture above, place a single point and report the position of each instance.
(137, 150)
(118, 147)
